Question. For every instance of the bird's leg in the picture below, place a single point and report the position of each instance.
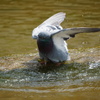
(60, 63)
(45, 62)
(42, 61)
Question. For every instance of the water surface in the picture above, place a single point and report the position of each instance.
(20, 75)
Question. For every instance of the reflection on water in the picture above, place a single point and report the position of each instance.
(20, 75)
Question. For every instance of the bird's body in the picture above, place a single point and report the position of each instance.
(49, 51)
(51, 38)
(45, 45)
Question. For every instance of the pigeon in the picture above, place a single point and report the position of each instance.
(51, 38)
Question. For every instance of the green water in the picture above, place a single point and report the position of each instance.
(20, 75)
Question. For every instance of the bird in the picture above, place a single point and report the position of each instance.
(51, 38)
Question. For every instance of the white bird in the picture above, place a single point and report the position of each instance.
(51, 38)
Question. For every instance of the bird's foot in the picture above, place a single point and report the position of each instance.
(42, 61)
(60, 63)
(49, 63)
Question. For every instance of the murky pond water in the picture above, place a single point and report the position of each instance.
(20, 75)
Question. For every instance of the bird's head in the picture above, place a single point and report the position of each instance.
(44, 36)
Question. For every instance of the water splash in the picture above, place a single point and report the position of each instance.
(21, 73)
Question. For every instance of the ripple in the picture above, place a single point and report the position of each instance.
(21, 73)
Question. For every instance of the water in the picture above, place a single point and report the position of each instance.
(21, 77)
(66, 81)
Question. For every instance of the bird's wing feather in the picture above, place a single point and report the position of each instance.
(54, 22)
(59, 37)
(56, 19)
(71, 32)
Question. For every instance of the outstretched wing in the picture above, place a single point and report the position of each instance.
(51, 25)
(71, 32)
(55, 20)
(59, 37)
